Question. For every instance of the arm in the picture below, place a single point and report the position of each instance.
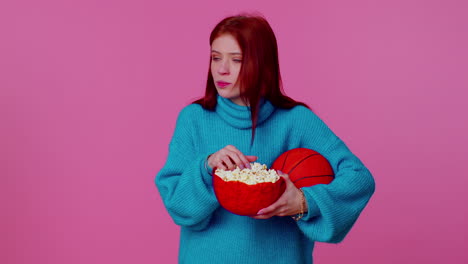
(184, 183)
(334, 208)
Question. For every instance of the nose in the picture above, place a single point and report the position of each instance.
(223, 67)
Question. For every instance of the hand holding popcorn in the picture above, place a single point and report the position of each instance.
(228, 158)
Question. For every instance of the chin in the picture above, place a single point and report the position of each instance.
(224, 94)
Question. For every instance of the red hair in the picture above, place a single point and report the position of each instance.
(259, 75)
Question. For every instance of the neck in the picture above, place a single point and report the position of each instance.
(239, 116)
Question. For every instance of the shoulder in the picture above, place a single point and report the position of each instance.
(300, 114)
(300, 110)
(190, 113)
(191, 110)
(309, 123)
(185, 121)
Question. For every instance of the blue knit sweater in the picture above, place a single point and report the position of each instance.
(209, 233)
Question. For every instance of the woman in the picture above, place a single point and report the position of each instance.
(244, 117)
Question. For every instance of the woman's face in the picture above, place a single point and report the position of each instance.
(226, 61)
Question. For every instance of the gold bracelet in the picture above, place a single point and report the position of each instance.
(301, 214)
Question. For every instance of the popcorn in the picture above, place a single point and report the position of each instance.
(257, 174)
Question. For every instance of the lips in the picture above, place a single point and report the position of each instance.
(222, 84)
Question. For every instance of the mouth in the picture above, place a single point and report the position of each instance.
(222, 84)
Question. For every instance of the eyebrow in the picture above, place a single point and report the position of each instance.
(232, 53)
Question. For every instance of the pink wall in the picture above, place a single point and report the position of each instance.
(89, 93)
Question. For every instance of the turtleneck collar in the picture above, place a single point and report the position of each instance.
(239, 116)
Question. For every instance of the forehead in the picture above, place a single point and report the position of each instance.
(225, 44)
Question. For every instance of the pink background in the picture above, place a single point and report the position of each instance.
(90, 90)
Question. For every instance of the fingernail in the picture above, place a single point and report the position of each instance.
(247, 165)
(241, 166)
(260, 212)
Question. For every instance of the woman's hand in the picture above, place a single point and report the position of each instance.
(288, 204)
(228, 158)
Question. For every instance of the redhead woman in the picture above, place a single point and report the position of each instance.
(245, 117)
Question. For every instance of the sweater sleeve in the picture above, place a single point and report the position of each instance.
(334, 208)
(185, 186)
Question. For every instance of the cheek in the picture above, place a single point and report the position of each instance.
(237, 72)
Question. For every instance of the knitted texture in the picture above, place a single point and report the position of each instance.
(209, 233)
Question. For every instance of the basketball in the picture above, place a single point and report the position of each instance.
(305, 167)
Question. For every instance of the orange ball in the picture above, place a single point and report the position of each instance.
(305, 167)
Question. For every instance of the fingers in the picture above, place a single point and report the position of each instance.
(223, 159)
(286, 178)
(237, 160)
(238, 157)
(251, 158)
(285, 205)
(229, 157)
(278, 208)
(227, 161)
(221, 166)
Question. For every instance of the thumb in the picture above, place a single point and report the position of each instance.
(251, 158)
(285, 176)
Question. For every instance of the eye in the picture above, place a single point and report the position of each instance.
(237, 60)
(215, 58)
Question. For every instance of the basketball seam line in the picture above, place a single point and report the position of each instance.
(284, 162)
(298, 179)
(301, 162)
